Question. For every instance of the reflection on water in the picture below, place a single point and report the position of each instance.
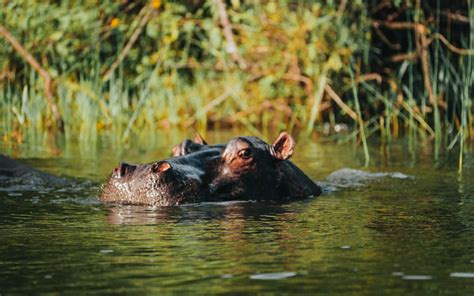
(390, 235)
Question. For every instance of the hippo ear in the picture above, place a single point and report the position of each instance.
(199, 140)
(182, 148)
(160, 167)
(283, 146)
(179, 149)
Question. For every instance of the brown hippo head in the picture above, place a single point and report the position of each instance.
(173, 181)
(252, 169)
(246, 168)
(249, 168)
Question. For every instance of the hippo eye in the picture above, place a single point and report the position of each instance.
(245, 153)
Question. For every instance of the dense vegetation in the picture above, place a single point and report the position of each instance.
(119, 67)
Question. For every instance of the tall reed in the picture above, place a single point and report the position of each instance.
(182, 71)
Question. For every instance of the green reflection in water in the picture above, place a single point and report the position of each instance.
(389, 237)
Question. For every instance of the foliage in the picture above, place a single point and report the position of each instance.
(183, 71)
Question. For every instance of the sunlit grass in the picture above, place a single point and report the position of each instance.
(180, 75)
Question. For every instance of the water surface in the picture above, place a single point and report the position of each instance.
(389, 236)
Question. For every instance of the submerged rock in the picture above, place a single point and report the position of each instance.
(347, 177)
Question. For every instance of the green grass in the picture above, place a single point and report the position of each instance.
(179, 73)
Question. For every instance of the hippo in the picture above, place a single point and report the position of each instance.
(173, 181)
(17, 175)
(246, 168)
(189, 146)
(248, 165)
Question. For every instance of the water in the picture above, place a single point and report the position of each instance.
(387, 235)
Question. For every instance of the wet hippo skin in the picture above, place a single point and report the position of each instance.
(15, 172)
(189, 146)
(262, 172)
(173, 181)
(245, 168)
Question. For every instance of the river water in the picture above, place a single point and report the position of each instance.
(376, 236)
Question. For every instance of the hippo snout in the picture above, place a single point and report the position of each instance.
(127, 170)
(162, 183)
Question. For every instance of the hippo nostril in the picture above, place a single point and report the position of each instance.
(160, 167)
(125, 168)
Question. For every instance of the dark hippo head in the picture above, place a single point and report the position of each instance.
(246, 168)
(190, 146)
(252, 169)
(169, 182)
